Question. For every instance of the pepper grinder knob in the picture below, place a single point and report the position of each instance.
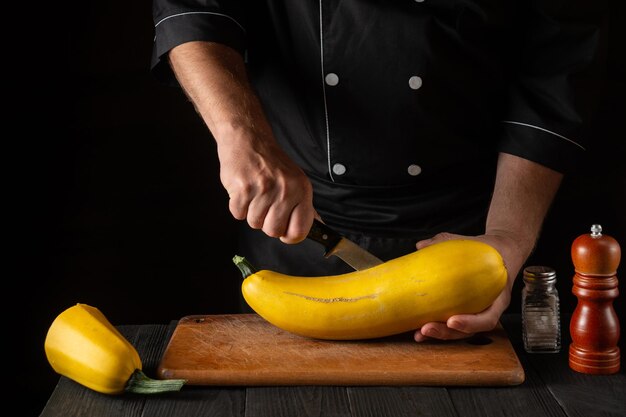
(594, 327)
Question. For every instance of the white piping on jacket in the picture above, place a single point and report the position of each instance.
(544, 130)
(330, 171)
(188, 13)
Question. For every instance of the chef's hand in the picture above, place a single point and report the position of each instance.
(264, 185)
(266, 188)
(465, 325)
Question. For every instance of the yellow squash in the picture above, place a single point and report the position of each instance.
(84, 346)
(432, 284)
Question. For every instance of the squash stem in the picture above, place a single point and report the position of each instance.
(140, 383)
(244, 266)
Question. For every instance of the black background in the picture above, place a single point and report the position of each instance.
(118, 203)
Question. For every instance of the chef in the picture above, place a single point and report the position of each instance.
(397, 123)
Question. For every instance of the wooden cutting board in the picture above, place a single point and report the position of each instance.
(246, 350)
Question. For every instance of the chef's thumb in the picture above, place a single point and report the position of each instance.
(439, 237)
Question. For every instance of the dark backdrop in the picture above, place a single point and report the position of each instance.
(119, 203)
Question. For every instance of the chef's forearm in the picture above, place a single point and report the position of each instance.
(214, 78)
(523, 193)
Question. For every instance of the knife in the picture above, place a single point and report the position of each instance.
(341, 247)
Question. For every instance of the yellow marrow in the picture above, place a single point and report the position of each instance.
(432, 284)
(84, 346)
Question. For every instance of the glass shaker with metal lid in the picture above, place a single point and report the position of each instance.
(541, 325)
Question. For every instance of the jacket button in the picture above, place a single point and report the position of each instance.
(415, 82)
(332, 79)
(339, 169)
(414, 170)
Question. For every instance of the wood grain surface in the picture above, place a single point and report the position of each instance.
(244, 349)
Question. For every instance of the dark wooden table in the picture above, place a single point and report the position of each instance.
(551, 388)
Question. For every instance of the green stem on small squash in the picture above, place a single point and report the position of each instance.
(244, 266)
(140, 383)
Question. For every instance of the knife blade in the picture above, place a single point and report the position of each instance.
(345, 249)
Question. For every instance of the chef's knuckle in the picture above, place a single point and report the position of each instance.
(237, 210)
(297, 232)
(273, 230)
(255, 222)
(264, 185)
(444, 236)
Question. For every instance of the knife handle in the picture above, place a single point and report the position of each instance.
(323, 234)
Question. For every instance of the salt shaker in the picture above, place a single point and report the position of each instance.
(541, 324)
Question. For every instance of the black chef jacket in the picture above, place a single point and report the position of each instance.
(397, 109)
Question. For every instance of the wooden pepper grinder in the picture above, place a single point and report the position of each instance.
(594, 326)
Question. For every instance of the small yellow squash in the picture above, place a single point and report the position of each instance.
(84, 346)
(432, 284)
